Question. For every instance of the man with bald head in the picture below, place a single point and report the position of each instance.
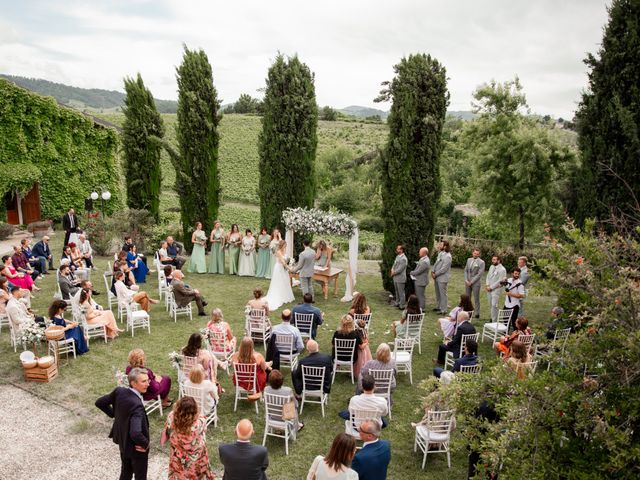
(286, 328)
(242, 460)
(420, 276)
(314, 359)
(184, 294)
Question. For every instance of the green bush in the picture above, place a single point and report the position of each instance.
(107, 234)
(6, 230)
(372, 224)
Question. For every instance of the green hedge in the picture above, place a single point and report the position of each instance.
(72, 153)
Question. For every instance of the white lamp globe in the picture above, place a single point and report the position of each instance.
(106, 195)
(94, 195)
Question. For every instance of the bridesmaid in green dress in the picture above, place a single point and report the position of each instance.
(247, 262)
(216, 260)
(273, 246)
(263, 270)
(234, 240)
(197, 263)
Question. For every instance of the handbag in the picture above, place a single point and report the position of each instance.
(289, 410)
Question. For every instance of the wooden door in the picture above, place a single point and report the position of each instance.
(31, 206)
(11, 205)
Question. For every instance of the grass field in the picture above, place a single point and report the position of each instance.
(84, 379)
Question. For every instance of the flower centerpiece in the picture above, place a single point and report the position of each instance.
(313, 220)
(175, 359)
(31, 333)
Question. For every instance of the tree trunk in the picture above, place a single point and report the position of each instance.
(521, 241)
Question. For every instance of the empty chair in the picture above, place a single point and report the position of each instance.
(343, 356)
(414, 328)
(245, 380)
(383, 380)
(312, 387)
(434, 433)
(275, 425)
(65, 345)
(304, 323)
(137, 318)
(286, 344)
(557, 346)
(198, 394)
(449, 360)
(493, 330)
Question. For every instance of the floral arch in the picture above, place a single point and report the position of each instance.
(314, 221)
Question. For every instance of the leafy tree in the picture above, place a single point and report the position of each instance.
(288, 141)
(141, 155)
(608, 121)
(519, 160)
(246, 104)
(196, 164)
(329, 114)
(410, 163)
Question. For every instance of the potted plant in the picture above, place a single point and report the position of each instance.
(40, 228)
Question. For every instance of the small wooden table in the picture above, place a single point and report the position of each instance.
(324, 277)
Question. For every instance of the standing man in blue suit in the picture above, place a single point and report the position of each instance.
(372, 460)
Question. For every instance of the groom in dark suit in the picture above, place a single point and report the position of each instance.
(130, 428)
(242, 460)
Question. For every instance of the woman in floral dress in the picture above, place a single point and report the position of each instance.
(263, 270)
(234, 240)
(216, 258)
(247, 262)
(197, 263)
(185, 430)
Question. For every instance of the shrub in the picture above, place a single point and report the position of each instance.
(372, 224)
(107, 234)
(6, 230)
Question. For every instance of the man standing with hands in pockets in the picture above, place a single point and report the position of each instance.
(305, 265)
(399, 275)
(420, 276)
(473, 271)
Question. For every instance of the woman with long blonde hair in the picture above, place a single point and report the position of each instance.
(280, 291)
(346, 330)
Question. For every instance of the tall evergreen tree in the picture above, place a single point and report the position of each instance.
(608, 121)
(410, 162)
(288, 140)
(141, 156)
(197, 180)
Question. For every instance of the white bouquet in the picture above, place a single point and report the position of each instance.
(31, 332)
(176, 359)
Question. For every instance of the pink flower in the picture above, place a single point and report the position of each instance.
(579, 261)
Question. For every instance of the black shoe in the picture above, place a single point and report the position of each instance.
(202, 314)
(204, 304)
(52, 268)
(435, 310)
(95, 292)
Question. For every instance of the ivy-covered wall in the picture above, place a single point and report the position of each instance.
(73, 154)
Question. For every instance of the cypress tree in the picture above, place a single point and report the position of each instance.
(288, 140)
(141, 156)
(410, 162)
(197, 181)
(608, 121)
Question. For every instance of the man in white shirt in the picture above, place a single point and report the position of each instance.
(75, 299)
(514, 294)
(286, 328)
(497, 274)
(85, 249)
(367, 400)
(18, 312)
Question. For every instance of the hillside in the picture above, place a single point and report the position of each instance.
(364, 112)
(93, 99)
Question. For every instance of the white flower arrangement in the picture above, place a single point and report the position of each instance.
(31, 332)
(313, 220)
(175, 359)
(121, 378)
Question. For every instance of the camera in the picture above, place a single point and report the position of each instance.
(504, 283)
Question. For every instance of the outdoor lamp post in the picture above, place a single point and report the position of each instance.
(104, 196)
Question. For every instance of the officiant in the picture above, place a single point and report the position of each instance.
(323, 255)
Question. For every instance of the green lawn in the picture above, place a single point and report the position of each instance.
(90, 376)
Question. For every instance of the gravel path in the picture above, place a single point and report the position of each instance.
(40, 440)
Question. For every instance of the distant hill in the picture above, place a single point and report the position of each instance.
(462, 114)
(363, 112)
(83, 98)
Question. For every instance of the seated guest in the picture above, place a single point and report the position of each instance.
(368, 400)
(519, 358)
(383, 361)
(205, 359)
(359, 305)
(503, 346)
(158, 385)
(137, 266)
(163, 256)
(198, 378)
(184, 295)
(335, 466)
(76, 255)
(127, 295)
(371, 462)
(186, 430)
(314, 359)
(469, 358)
(68, 256)
(308, 308)
(128, 278)
(246, 354)
(558, 322)
(38, 263)
(258, 301)
(286, 328)
(218, 325)
(41, 250)
(4, 295)
(124, 266)
(412, 308)
(346, 330)
(128, 245)
(276, 387)
(174, 251)
(75, 299)
(168, 274)
(84, 247)
(448, 324)
(68, 287)
(20, 279)
(453, 346)
(100, 317)
(71, 329)
(241, 460)
(21, 263)
(17, 311)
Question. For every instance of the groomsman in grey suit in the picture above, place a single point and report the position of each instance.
(524, 278)
(497, 274)
(305, 266)
(473, 271)
(420, 276)
(440, 273)
(399, 275)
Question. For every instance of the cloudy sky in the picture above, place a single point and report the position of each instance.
(351, 45)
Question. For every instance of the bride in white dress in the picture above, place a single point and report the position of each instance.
(280, 291)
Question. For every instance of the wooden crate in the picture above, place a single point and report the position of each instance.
(38, 374)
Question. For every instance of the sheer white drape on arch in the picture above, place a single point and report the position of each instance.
(352, 268)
